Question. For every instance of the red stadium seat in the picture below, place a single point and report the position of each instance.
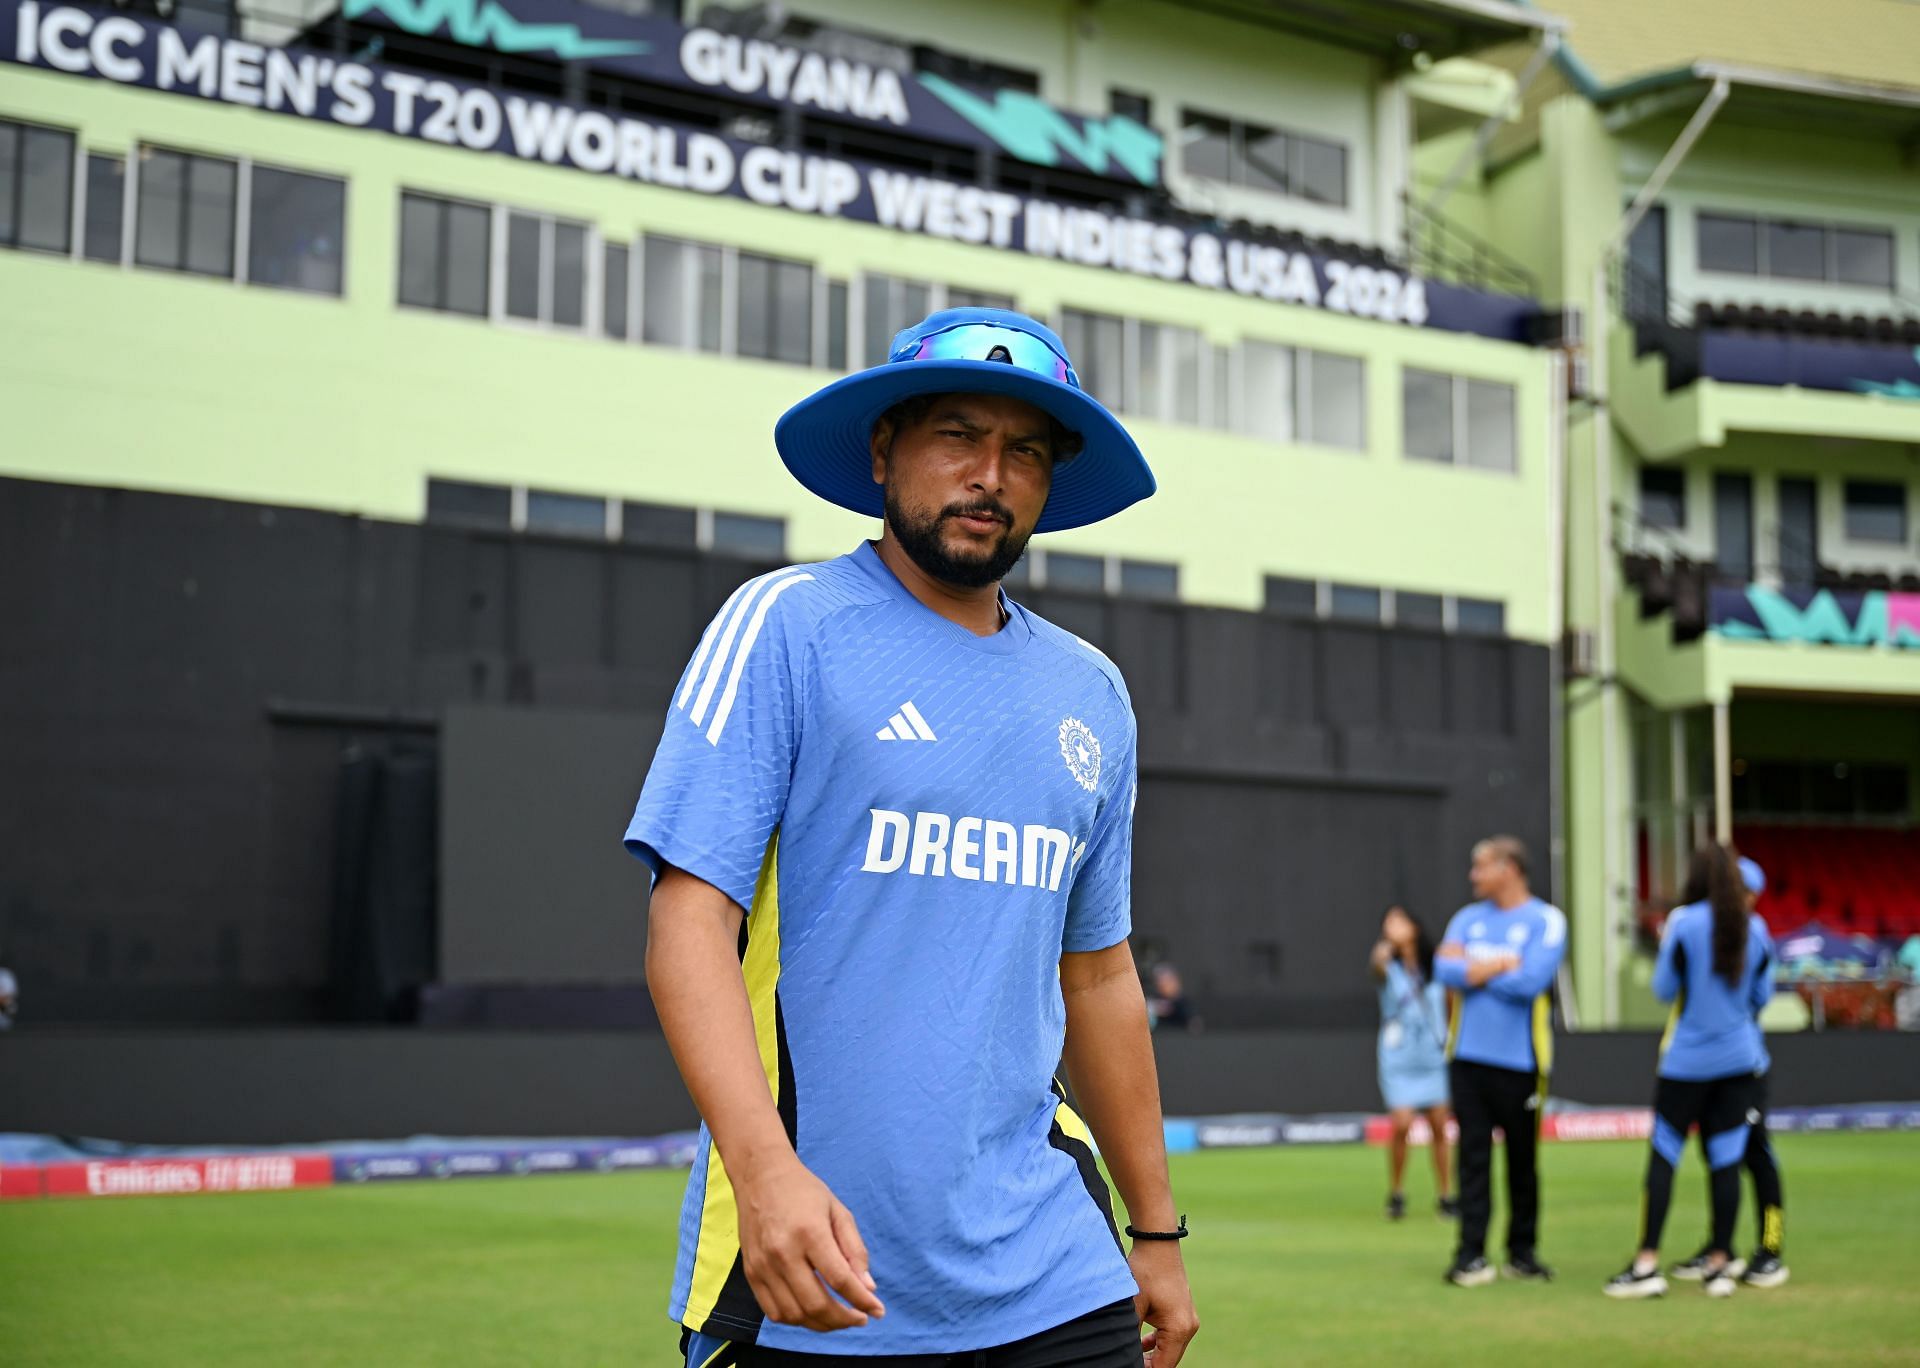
(1862, 879)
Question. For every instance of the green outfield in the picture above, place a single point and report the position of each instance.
(1291, 1260)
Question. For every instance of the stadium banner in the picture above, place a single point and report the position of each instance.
(20, 1180)
(776, 75)
(1811, 363)
(266, 1172)
(404, 1163)
(1828, 617)
(290, 81)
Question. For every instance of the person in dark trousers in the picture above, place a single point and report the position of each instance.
(1498, 958)
(1412, 1052)
(1767, 1267)
(1716, 967)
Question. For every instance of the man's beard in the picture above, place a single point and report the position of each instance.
(919, 536)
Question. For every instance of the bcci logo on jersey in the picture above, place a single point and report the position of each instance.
(1080, 748)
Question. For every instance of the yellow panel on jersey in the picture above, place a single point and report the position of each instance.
(1542, 1036)
(1453, 1022)
(1069, 1121)
(719, 1242)
(1673, 1023)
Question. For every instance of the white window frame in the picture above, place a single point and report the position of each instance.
(592, 274)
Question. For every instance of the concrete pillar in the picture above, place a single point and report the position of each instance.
(1722, 772)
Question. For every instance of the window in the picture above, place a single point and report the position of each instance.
(546, 270)
(616, 286)
(888, 305)
(1479, 617)
(1663, 497)
(1334, 399)
(681, 303)
(1862, 257)
(740, 534)
(1489, 438)
(1266, 391)
(659, 525)
(473, 505)
(1149, 579)
(1293, 394)
(1084, 574)
(959, 298)
(1354, 603)
(1097, 344)
(36, 187)
(1168, 366)
(1262, 158)
(185, 219)
(295, 227)
(836, 357)
(1876, 512)
(1418, 610)
(106, 208)
(1728, 244)
(1790, 250)
(1453, 419)
(567, 515)
(776, 309)
(1130, 105)
(1293, 598)
(445, 252)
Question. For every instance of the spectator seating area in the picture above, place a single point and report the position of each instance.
(1864, 880)
(1755, 318)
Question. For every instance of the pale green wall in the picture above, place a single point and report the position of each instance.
(1179, 56)
(1781, 173)
(145, 379)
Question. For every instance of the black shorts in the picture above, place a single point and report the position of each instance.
(1107, 1338)
(1715, 1105)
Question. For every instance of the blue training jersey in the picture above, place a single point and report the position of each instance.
(1413, 1021)
(1507, 1021)
(1713, 1032)
(919, 821)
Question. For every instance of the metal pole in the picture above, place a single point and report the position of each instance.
(1549, 44)
(1722, 772)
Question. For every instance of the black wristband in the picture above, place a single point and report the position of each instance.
(1179, 1234)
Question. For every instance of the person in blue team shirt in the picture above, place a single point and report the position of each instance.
(1413, 1051)
(1716, 967)
(1767, 1267)
(1498, 958)
(890, 823)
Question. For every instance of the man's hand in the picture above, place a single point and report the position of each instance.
(797, 1240)
(1164, 1301)
(1492, 967)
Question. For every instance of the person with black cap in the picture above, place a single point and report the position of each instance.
(890, 825)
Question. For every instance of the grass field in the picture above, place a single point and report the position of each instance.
(1291, 1263)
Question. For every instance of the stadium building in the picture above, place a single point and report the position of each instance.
(1731, 202)
(390, 392)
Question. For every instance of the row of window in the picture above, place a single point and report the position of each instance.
(517, 508)
(236, 219)
(1873, 511)
(1783, 249)
(173, 211)
(1256, 157)
(1361, 603)
(1820, 788)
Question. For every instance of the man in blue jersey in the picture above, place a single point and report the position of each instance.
(890, 822)
(1498, 958)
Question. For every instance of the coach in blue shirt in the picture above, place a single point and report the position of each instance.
(1499, 956)
(891, 824)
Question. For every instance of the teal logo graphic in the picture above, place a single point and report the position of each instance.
(1873, 618)
(483, 23)
(1892, 389)
(1034, 131)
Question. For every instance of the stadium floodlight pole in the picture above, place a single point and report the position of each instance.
(1599, 343)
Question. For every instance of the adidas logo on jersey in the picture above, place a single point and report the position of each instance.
(906, 725)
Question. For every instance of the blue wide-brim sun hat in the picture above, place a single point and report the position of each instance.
(1752, 876)
(826, 438)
